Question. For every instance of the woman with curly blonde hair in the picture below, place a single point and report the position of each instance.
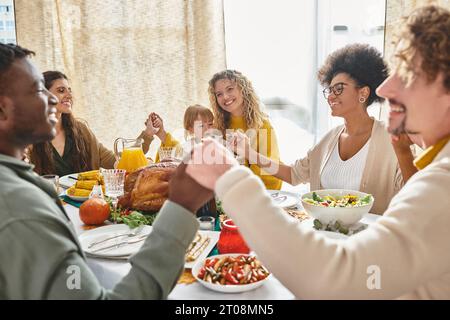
(237, 107)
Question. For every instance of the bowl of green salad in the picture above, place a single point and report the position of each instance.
(337, 207)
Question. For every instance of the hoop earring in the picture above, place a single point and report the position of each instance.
(362, 100)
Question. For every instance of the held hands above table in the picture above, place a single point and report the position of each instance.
(402, 147)
(158, 124)
(193, 182)
(401, 142)
(209, 161)
(186, 192)
(150, 129)
(239, 142)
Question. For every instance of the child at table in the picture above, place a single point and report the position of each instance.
(197, 121)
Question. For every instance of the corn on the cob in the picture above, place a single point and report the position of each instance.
(86, 184)
(78, 192)
(89, 175)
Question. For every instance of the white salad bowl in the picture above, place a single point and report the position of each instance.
(344, 215)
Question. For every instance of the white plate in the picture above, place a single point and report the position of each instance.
(79, 199)
(66, 182)
(124, 252)
(214, 237)
(284, 199)
(100, 233)
(226, 288)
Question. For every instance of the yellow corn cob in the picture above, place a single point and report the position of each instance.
(78, 192)
(86, 184)
(89, 175)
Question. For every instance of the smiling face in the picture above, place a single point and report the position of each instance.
(61, 89)
(229, 97)
(33, 107)
(348, 100)
(420, 107)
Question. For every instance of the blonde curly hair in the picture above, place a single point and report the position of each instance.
(425, 33)
(254, 117)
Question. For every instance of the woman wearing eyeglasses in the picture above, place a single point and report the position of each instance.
(357, 155)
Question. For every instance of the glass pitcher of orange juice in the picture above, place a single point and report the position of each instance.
(129, 154)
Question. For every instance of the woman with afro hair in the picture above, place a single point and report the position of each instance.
(357, 155)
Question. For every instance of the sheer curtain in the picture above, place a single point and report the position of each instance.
(127, 58)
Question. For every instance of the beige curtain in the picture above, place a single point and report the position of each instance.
(395, 10)
(127, 58)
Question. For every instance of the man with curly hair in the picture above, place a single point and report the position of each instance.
(405, 254)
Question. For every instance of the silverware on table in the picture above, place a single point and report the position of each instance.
(132, 233)
(121, 244)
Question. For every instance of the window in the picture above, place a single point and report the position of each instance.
(5, 9)
(10, 25)
(279, 46)
(265, 40)
(7, 22)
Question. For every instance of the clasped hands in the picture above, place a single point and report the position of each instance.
(193, 182)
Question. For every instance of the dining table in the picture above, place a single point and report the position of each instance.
(109, 272)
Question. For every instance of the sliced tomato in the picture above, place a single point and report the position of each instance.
(229, 277)
(201, 273)
(211, 263)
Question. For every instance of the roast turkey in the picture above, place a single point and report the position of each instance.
(146, 189)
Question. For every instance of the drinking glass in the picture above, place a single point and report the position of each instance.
(206, 223)
(114, 184)
(170, 153)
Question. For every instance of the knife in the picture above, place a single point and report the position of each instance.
(121, 244)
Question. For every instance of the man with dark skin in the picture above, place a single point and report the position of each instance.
(38, 245)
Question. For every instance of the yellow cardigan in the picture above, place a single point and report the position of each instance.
(272, 150)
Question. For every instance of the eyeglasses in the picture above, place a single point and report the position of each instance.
(336, 89)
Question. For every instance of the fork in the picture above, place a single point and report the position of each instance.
(121, 244)
(134, 232)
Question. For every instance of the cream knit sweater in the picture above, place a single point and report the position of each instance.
(409, 245)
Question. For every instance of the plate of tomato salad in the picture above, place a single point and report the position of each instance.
(231, 273)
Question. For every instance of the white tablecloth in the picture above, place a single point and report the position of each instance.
(109, 272)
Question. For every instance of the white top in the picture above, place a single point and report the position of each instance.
(340, 174)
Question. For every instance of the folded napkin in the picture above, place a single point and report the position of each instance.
(74, 203)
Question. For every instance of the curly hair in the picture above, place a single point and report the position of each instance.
(253, 115)
(41, 154)
(425, 33)
(9, 53)
(363, 63)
